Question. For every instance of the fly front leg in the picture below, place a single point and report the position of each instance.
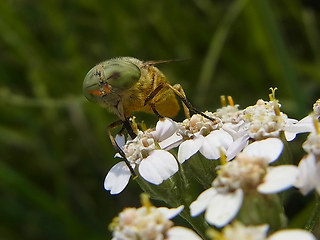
(127, 125)
(149, 100)
(116, 146)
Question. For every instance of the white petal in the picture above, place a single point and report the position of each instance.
(291, 121)
(278, 179)
(269, 148)
(307, 119)
(304, 125)
(292, 234)
(165, 128)
(202, 202)
(223, 208)
(212, 143)
(318, 178)
(290, 135)
(171, 142)
(307, 177)
(117, 178)
(233, 129)
(237, 146)
(189, 147)
(120, 140)
(299, 128)
(178, 233)
(158, 166)
(170, 212)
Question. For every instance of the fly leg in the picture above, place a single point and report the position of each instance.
(177, 89)
(179, 92)
(116, 146)
(150, 98)
(127, 125)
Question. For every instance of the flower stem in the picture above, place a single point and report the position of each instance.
(202, 169)
(198, 223)
(315, 215)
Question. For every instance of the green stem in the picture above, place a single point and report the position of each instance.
(198, 223)
(176, 191)
(314, 216)
(202, 169)
(253, 211)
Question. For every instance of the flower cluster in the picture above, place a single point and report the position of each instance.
(149, 222)
(247, 173)
(237, 157)
(309, 166)
(154, 164)
(259, 232)
(201, 134)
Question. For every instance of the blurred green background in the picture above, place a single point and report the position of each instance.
(54, 148)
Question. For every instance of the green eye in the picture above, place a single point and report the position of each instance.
(118, 73)
(121, 73)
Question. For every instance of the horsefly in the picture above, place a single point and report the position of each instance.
(126, 85)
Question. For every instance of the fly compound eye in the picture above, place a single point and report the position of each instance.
(120, 73)
(94, 87)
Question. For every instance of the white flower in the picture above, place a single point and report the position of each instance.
(220, 208)
(292, 234)
(309, 175)
(261, 121)
(230, 115)
(316, 107)
(232, 119)
(178, 233)
(248, 171)
(265, 120)
(309, 167)
(117, 178)
(239, 231)
(154, 164)
(164, 129)
(149, 223)
(306, 124)
(203, 135)
(312, 144)
(237, 146)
